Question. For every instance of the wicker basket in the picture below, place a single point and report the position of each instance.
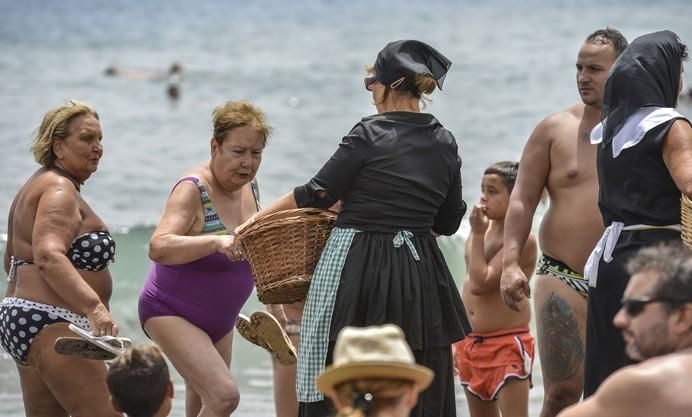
(283, 249)
(686, 219)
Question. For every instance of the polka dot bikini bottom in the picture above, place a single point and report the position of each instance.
(21, 320)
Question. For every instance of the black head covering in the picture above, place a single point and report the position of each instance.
(646, 74)
(407, 59)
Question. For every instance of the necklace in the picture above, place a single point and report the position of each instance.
(67, 174)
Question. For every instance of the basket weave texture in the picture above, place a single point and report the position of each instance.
(686, 220)
(283, 249)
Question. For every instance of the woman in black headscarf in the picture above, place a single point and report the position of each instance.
(398, 176)
(644, 164)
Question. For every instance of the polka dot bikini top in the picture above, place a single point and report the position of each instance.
(92, 251)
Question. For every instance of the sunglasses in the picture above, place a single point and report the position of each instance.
(368, 82)
(634, 306)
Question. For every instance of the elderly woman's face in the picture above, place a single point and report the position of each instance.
(81, 150)
(237, 160)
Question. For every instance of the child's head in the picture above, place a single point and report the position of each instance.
(498, 182)
(139, 383)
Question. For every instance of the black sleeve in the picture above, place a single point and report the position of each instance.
(336, 176)
(452, 210)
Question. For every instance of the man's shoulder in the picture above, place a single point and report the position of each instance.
(571, 114)
(555, 124)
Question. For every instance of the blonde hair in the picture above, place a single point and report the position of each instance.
(386, 393)
(424, 84)
(232, 114)
(56, 126)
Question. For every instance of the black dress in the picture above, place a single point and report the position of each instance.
(398, 176)
(635, 188)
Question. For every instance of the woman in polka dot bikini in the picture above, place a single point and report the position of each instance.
(56, 258)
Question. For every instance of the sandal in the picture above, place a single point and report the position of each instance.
(109, 344)
(247, 330)
(76, 346)
(268, 328)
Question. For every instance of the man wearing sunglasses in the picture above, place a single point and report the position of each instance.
(656, 323)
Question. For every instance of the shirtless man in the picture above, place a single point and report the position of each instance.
(559, 157)
(656, 323)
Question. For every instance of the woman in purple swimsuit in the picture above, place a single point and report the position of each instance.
(56, 258)
(199, 282)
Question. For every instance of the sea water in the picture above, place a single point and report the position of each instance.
(302, 62)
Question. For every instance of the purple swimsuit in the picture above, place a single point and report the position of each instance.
(208, 292)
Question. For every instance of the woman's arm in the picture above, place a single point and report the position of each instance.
(56, 223)
(172, 242)
(677, 155)
(9, 252)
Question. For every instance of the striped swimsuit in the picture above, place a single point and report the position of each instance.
(208, 292)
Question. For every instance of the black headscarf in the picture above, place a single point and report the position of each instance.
(646, 74)
(408, 58)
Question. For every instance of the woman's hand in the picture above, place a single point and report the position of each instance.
(102, 323)
(230, 246)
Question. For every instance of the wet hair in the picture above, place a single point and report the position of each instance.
(507, 170)
(138, 379)
(672, 262)
(609, 36)
(56, 126)
(368, 396)
(233, 114)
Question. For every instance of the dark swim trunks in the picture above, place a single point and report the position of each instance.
(558, 269)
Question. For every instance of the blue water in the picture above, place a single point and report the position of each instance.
(303, 63)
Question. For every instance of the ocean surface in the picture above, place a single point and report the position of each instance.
(303, 63)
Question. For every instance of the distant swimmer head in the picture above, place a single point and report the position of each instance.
(173, 91)
(175, 68)
(403, 65)
(111, 71)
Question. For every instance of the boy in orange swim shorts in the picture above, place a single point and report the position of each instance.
(494, 362)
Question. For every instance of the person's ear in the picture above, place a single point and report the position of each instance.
(169, 389)
(115, 406)
(411, 397)
(214, 146)
(683, 322)
(57, 149)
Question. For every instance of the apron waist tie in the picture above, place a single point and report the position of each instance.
(404, 236)
(606, 245)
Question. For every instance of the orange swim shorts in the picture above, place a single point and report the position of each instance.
(486, 361)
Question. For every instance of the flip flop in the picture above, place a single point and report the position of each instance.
(76, 346)
(111, 344)
(269, 329)
(247, 330)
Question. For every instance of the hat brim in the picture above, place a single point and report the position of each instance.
(334, 375)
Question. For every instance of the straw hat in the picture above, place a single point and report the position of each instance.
(373, 352)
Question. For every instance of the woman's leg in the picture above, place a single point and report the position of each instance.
(57, 385)
(285, 401)
(199, 362)
(38, 400)
(193, 402)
